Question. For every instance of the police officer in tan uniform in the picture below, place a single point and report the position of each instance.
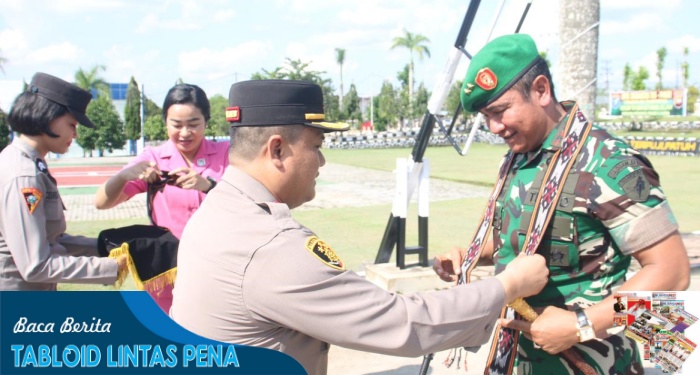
(35, 253)
(271, 282)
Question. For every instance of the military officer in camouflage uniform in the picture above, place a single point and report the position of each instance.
(272, 282)
(35, 253)
(611, 209)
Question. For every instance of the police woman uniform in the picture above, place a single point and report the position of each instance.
(35, 253)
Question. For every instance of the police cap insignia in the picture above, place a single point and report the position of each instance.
(324, 252)
(32, 197)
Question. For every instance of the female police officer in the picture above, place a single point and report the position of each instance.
(34, 251)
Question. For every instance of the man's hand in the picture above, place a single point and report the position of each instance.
(554, 330)
(449, 265)
(524, 276)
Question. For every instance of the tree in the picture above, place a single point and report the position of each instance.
(340, 59)
(579, 52)
(109, 127)
(91, 80)
(132, 115)
(218, 126)
(684, 67)
(453, 98)
(639, 78)
(661, 58)
(154, 128)
(152, 108)
(627, 76)
(4, 131)
(299, 70)
(386, 107)
(414, 43)
(692, 98)
(420, 104)
(352, 106)
(3, 61)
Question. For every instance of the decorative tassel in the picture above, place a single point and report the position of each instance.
(161, 281)
(122, 273)
(152, 285)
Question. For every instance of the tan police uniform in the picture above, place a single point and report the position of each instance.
(33, 247)
(248, 273)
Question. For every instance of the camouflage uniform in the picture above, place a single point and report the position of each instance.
(611, 206)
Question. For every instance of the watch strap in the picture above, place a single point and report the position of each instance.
(582, 319)
(213, 184)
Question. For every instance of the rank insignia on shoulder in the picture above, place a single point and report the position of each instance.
(324, 252)
(41, 166)
(32, 197)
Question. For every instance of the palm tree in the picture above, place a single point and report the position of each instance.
(91, 80)
(340, 59)
(578, 56)
(414, 43)
(2, 62)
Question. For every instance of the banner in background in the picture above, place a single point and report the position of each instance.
(649, 103)
(665, 146)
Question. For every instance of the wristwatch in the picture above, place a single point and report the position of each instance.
(585, 327)
(213, 184)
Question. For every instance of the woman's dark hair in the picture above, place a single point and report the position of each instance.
(32, 114)
(539, 69)
(185, 94)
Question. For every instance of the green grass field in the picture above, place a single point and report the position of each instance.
(452, 223)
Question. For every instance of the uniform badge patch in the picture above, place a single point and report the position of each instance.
(558, 258)
(486, 79)
(636, 186)
(32, 197)
(41, 166)
(324, 252)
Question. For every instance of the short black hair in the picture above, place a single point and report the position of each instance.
(185, 93)
(32, 114)
(525, 82)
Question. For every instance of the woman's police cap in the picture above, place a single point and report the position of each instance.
(59, 91)
(496, 68)
(278, 102)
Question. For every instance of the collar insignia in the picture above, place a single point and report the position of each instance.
(41, 166)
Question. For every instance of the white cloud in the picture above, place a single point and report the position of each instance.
(692, 42)
(226, 61)
(13, 43)
(646, 22)
(62, 52)
(224, 15)
(81, 6)
(640, 4)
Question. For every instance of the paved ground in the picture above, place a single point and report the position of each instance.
(341, 186)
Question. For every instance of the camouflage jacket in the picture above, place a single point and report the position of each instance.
(611, 206)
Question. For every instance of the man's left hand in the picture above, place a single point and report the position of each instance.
(555, 330)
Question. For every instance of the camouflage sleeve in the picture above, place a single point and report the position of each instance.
(627, 198)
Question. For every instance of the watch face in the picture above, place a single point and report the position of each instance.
(586, 333)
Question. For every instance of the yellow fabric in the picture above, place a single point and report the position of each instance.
(153, 284)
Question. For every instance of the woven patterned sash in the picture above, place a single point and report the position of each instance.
(504, 347)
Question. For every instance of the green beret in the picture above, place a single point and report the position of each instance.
(495, 69)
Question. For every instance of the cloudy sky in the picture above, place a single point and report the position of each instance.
(214, 43)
